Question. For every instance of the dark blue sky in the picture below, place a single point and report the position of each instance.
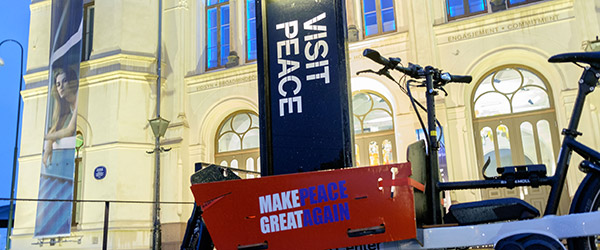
(14, 24)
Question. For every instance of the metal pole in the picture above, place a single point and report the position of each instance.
(433, 193)
(11, 213)
(156, 239)
(105, 230)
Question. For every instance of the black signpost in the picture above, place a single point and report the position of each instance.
(303, 86)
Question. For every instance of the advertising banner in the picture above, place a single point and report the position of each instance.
(58, 156)
(303, 86)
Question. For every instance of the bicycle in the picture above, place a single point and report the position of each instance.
(586, 199)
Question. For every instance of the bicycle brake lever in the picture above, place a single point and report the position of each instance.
(366, 71)
(386, 73)
(443, 90)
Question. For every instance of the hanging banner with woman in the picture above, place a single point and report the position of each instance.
(53, 218)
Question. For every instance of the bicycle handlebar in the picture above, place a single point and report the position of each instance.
(461, 78)
(414, 71)
(376, 57)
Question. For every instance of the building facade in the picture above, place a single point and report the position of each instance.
(511, 113)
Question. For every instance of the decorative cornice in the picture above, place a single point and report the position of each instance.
(222, 78)
(120, 66)
(35, 4)
(505, 21)
(125, 62)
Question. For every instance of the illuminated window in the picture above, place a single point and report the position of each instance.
(237, 144)
(387, 153)
(511, 107)
(378, 16)
(373, 129)
(372, 113)
(250, 30)
(510, 90)
(463, 8)
(217, 33)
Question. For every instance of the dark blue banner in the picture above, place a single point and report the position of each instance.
(53, 218)
(303, 82)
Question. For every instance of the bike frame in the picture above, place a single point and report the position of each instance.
(587, 83)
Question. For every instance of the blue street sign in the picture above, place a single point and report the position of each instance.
(100, 172)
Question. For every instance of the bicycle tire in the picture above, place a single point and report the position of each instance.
(587, 199)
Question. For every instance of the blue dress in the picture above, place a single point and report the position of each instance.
(56, 183)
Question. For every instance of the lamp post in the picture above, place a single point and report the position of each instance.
(11, 213)
(159, 127)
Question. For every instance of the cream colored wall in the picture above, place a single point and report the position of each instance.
(507, 44)
(459, 47)
(118, 95)
(116, 98)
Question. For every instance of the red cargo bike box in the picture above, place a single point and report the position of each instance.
(316, 210)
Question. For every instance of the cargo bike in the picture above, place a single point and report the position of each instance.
(398, 206)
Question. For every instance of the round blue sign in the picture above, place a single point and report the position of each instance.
(100, 172)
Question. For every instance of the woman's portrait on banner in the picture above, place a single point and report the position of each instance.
(61, 128)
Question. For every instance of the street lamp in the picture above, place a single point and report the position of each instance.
(11, 213)
(159, 126)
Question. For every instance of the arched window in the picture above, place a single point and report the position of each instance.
(373, 129)
(515, 124)
(510, 90)
(237, 143)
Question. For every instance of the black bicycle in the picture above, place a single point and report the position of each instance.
(586, 199)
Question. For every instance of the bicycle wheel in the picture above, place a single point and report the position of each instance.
(587, 199)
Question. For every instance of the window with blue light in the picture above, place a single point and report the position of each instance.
(387, 16)
(513, 3)
(378, 16)
(217, 33)
(461, 8)
(456, 9)
(477, 6)
(250, 30)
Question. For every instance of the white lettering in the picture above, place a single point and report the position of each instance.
(274, 221)
(284, 66)
(276, 203)
(319, 44)
(295, 198)
(264, 225)
(298, 218)
(309, 25)
(290, 101)
(282, 221)
(285, 200)
(324, 75)
(287, 26)
(295, 79)
(291, 221)
(265, 204)
(288, 45)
